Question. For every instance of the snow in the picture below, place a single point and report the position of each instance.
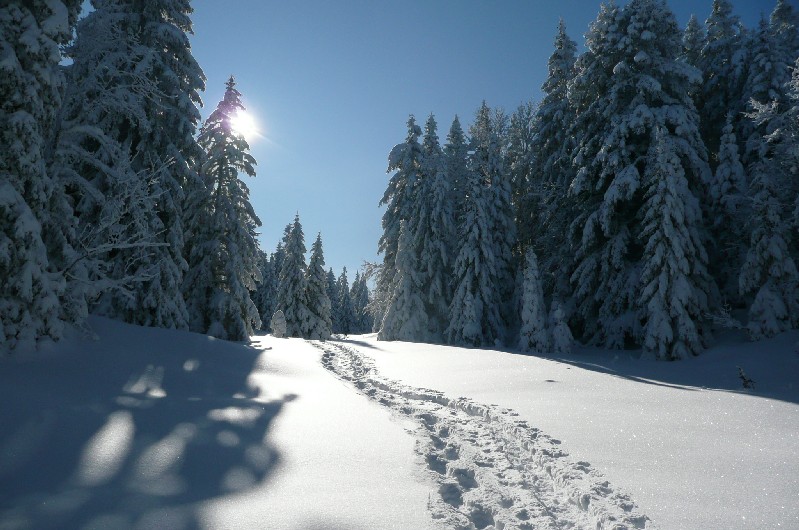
(149, 428)
(683, 439)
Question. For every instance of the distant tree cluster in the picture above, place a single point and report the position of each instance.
(314, 303)
(112, 201)
(654, 184)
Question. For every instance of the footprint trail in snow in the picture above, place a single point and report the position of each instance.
(494, 471)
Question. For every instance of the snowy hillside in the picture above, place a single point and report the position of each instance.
(148, 428)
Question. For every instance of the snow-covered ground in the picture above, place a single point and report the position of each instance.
(683, 439)
(148, 428)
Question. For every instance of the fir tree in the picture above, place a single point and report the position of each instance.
(635, 47)
(674, 266)
(456, 155)
(223, 264)
(399, 199)
(292, 296)
(405, 317)
(36, 221)
(769, 277)
(359, 294)
(534, 334)
(729, 209)
(432, 231)
(264, 294)
(552, 171)
(562, 339)
(692, 42)
(722, 61)
(486, 164)
(332, 294)
(346, 315)
(320, 326)
(474, 314)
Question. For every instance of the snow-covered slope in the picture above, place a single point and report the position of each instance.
(683, 440)
(148, 428)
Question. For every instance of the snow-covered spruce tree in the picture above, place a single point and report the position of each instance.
(292, 295)
(263, 295)
(767, 82)
(405, 318)
(359, 294)
(553, 170)
(641, 88)
(769, 276)
(35, 219)
(534, 333)
(525, 181)
(164, 152)
(320, 326)
(728, 213)
(474, 314)
(673, 276)
(346, 314)
(224, 259)
(693, 40)
(332, 294)
(103, 108)
(432, 231)
(487, 164)
(722, 61)
(405, 160)
(456, 153)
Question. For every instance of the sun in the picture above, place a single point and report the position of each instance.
(244, 124)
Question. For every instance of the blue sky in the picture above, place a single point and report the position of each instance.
(332, 83)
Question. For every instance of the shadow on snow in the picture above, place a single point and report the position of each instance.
(130, 431)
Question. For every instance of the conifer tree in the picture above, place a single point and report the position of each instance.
(223, 264)
(332, 294)
(431, 232)
(320, 326)
(674, 265)
(769, 276)
(635, 47)
(526, 186)
(534, 333)
(346, 315)
(264, 294)
(487, 165)
(729, 210)
(359, 294)
(399, 199)
(474, 314)
(722, 61)
(36, 221)
(456, 155)
(552, 169)
(406, 318)
(292, 295)
(692, 42)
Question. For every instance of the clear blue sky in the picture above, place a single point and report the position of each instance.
(332, 84)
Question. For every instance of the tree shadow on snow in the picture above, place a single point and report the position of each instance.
(772, 364)
(132, 433)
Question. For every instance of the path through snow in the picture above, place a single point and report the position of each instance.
(493, 470)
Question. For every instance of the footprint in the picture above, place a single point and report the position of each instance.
(436, 463)
(451, 494)
(465, 477)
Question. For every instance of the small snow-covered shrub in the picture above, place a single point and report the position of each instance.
(278, 324)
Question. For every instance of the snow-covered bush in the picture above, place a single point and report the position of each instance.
(278, 324)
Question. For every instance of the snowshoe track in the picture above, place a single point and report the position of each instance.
(494, 471)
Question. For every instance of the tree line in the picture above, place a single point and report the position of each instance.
(113, 197)
(651, 195)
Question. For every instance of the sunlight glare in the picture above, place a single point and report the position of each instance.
(244, 124)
